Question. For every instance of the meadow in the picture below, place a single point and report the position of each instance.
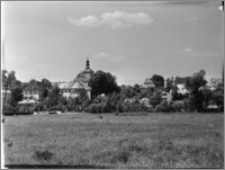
(82, 140)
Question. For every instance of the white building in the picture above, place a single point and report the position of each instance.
(167, 96)
(81, 82)
(148, 83)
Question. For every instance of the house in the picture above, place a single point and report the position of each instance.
(212, 107)
(5, 95)
(34, 90)
(27, 104)
(81, 82)
(167, 96)
(180, 83)
(148, 83)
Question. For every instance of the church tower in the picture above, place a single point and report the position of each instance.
(87, 64)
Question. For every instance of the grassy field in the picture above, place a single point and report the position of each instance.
(87, 141)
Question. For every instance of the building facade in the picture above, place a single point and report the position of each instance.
(34, 90)
(81, 83)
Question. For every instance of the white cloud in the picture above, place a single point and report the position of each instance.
(190, 52)
(117, 19)
(89, 21)
(192, 19)
(110, 57)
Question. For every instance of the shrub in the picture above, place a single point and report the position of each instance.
(157, 108)
(133, 107)
(93, 108)
(155, 99)
(39, 107)
(177, 107)
(165, 106)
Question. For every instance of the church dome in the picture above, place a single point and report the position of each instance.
(85, 75)
(148, 83)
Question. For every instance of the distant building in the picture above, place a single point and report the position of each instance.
(34, 90)
(180, 83)
(167, 96)
(148, 83)
(81, 82)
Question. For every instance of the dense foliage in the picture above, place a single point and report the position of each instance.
(108, 97)
(102, 82)
(158, 80)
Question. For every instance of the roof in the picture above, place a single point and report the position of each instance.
(212, 106)
(28, 101)
(88, 70)
(73, 85)
(181, 80)
(148, 83)
(81, 76)
(35, 85)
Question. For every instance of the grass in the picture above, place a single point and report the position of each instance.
(86, 141)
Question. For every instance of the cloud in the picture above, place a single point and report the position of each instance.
(190, 52)
(192, 19)
(110, 57)
(89, 21)
(117, 19)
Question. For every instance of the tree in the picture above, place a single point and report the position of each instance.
(175, 92)
(207, 97)
(48, 85)
(10, 82)
(165, 106)
(147, 92)
(158, 80)
(155, 99)
(218, 95)
(137, 91)
(17, 94)
(168, 84)
(102, 82)
(195, 86)
(53, 98)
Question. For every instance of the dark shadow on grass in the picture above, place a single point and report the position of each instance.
(33, 166)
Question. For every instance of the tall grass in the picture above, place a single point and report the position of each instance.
(153, 141)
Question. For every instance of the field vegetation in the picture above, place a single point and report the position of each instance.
(82, 140)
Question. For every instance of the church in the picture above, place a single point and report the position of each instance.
(81, 82)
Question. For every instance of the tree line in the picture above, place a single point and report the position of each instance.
(107, 96)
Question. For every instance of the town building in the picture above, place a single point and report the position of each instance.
(180, 83)
(148, 83)
(34, 90)
(81, 82)
(167, 96)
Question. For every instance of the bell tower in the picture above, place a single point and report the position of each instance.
(87, 64)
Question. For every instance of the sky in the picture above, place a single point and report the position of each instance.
(130, 39)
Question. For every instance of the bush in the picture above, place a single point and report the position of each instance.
(97, 108)
(8, 110)
(157, 108)
(39, 107)
(177, 107)
(165, 106)
(133, 107)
